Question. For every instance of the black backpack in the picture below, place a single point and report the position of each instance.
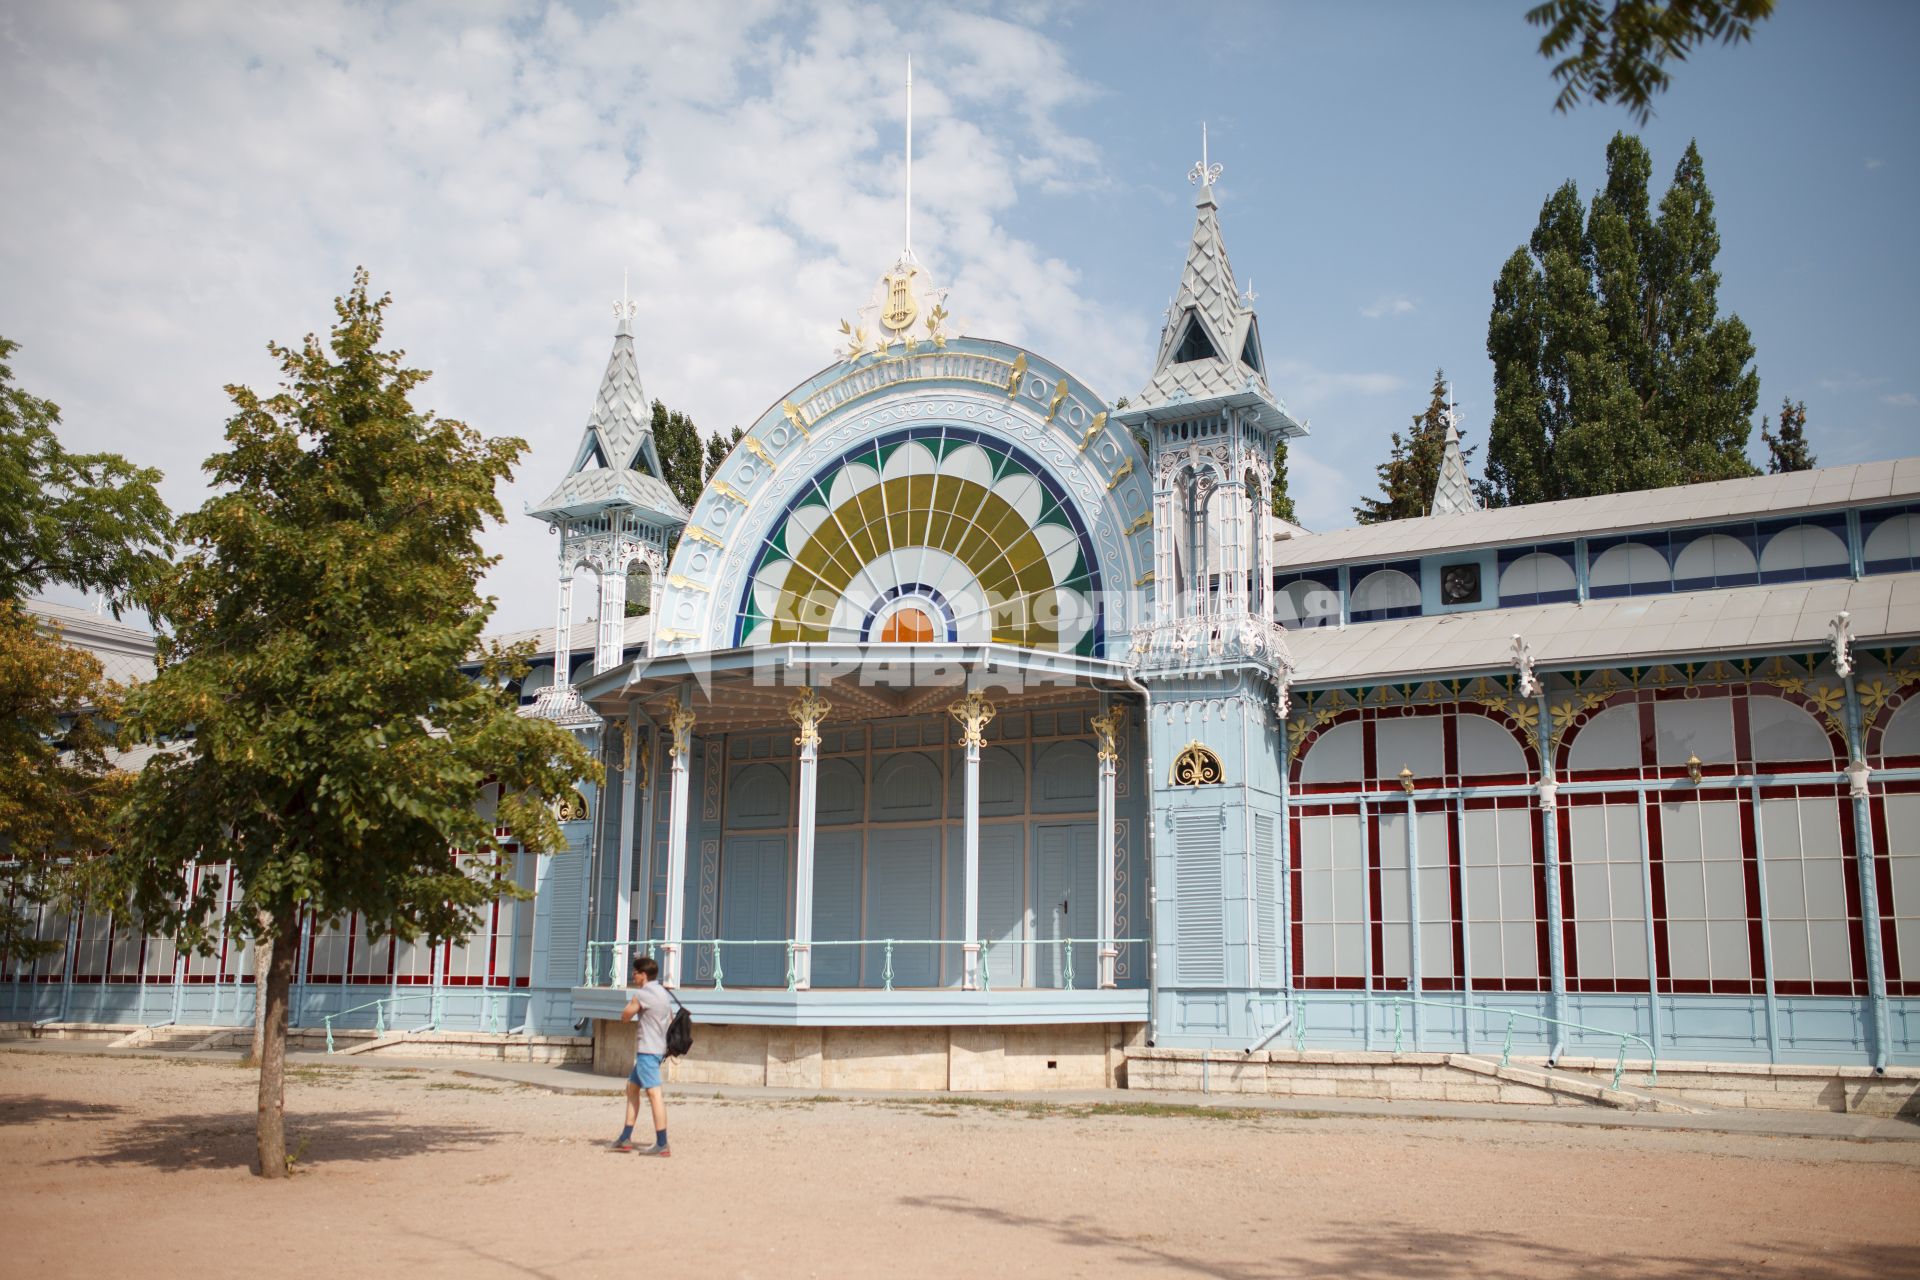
(679, 1028)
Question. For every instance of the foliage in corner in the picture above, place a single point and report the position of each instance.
(91, 521)
(1788, 451)
(1613, 368)
(1411, 472)
(1617, 50)
(314, 723)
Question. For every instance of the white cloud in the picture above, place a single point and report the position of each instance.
(1309, 384)
(1875, 162)
(190, 181)
(1849, 380)
(1901, 399)
(1389, 306)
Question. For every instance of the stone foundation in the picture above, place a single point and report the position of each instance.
(1382, 1077)
(1789, 1087)
(961, 1059)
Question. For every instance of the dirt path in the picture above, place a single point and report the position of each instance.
(139, 1167)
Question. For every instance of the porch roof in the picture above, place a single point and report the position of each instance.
(750, 687)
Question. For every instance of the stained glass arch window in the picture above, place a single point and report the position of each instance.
(938, 532)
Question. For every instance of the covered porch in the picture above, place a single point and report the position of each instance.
(845, 835)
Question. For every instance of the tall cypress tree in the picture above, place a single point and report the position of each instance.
(1788, 451)
(1612, 366)
(1412, 469)
(1282, 500)
(682, 453)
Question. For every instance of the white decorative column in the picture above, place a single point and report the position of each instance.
(973, 713)
(623, 892)
(1166, 576)
(612, 634)
(807, 710)
(681, 724)
(562, 624)
(1233, 543)
(1108, 728)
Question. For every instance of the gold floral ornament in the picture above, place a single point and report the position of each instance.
(681, 722)
(1196, 766)
(1108, 728)
(808, 710)
(571, 807)
(973, 713)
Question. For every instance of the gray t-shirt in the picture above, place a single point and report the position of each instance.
(656, 1007)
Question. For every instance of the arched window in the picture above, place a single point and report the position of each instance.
(1779, 730)
(1714, 560)
(1894, 544)
(1609, 741)
(1335, 756)
(1385, 593)
(1486, 748)
(1629, 568)
(1803, 551)
(1307, 603)
(1537, 578)
(1902, 736)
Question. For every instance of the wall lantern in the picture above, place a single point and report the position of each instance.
(1693, 767)
(1406, 779)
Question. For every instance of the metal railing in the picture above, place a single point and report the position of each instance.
(379, 1008)
(716, 949)
(1368, 999)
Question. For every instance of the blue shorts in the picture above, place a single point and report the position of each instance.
(646, 1070)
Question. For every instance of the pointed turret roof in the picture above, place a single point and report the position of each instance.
(1210, 348)
(617, 462)
(1452, 491)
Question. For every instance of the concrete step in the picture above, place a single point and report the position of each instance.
(385, 1041)
(164, 1037)
(1569, 1085)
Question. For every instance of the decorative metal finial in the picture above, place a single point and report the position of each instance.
(1203, 174)
(624, 309)
(1250, 295)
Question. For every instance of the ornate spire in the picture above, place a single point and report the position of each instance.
(1452, 491)
(617, 461)
(1210, 347)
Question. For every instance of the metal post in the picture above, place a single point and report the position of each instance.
(1457, 815)
(807, 710)
(682, 728)
(1107, 726)
(972, 712)
(1366, 926)
(1857, 779)
(629, 780)
(1550, 853)
(1646, 903)
(1766, 928)
(1413, 926)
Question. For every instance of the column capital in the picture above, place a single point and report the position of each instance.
(1108, 728)
(681, 722)
(808, 710)
(973, 713)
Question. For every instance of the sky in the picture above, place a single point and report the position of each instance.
(185, 182)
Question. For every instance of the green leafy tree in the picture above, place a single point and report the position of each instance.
(1617, 50)
(1788, 451)
(1412, 470)
(313, 722)
(1612, 366)
(92, 521)
(1282, 500)
(718, 447)
(682, 454)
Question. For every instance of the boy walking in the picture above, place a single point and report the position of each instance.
(650, 1007)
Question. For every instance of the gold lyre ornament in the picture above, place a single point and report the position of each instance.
(808, 710)
(1196, 766)
(972, 713)
(901, 309)
(681, 722)
(1108, 728)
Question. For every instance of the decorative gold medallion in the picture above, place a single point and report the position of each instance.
(901, 309)
(1196, 766)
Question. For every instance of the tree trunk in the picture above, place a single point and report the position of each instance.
(260, 954)
(270, 1134)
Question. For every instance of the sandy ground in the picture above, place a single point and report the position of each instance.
(139, 1167)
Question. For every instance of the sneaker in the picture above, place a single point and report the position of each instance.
(653, 1151)
(621, 1144)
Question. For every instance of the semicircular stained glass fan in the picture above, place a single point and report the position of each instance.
(935, 533)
